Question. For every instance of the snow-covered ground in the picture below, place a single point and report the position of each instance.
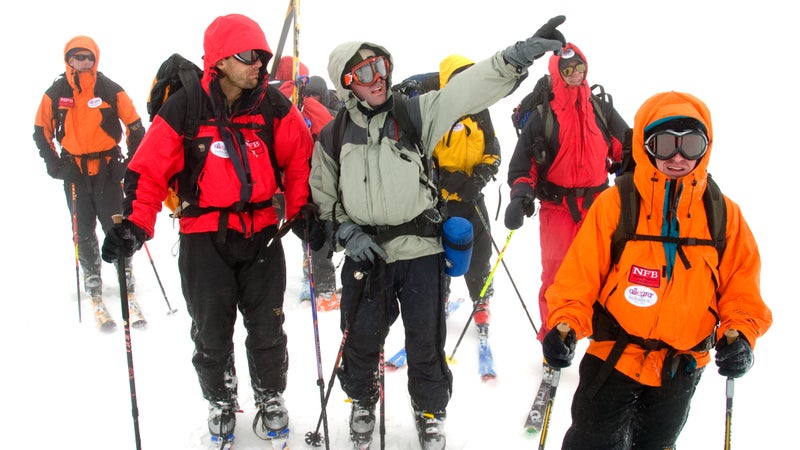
(67, 385)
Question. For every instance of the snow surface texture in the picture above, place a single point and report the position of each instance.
(66, 384)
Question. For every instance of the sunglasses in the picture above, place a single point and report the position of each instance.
(248, 57)
(83, 57)
(664, 145)
(569, 70)
(366, 73)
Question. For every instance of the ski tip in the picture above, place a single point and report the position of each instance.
(531, 430)
(488, 376)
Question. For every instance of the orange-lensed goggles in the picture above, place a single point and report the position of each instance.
(569, 70)
(366, 72)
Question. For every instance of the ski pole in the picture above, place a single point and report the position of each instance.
(320, 379)
(730, 336)
(563, 330)
(450, 358)
(123, 293)
(508, 272)
(381, 273)
(169, 307)
(282, 41)
(296, 100)
(312, 437)
(75, 243)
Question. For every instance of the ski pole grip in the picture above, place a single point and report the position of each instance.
(117, 218)
(563, 329)
(731, 335)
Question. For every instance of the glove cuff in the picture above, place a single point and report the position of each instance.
(522, 190)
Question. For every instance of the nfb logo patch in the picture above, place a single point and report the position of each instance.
(645, 277)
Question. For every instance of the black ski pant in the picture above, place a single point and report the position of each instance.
(97, 198)
(414, 290)
(217, 280)
(625, 414)
(479, 266)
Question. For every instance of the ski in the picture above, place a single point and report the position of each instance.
(399, 359)
(135, 315)
(103, 319)
(543, 401)
(485, 359)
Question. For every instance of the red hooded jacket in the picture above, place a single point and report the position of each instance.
(161, 154)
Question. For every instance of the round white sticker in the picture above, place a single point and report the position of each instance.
(95, 102)
(641, 296)
(218, 148)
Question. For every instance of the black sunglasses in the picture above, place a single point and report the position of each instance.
(82, 57)
(248, 57)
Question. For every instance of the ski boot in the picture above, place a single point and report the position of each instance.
(362, 424)
(272, 419)
(430, 428)
(221, 423)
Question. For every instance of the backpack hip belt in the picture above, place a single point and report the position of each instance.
(606, 328)
(423, 226)
(547, 191)
(224, 213)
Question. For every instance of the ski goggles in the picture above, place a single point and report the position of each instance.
(83, 57)
(247, 57)
(366, 72)
(569, 70)
(664, 145)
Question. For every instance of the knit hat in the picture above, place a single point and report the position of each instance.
(317, 86)
(75, 50)
(569, 56)
(677, 123)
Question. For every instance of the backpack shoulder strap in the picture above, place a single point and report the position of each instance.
(628, 215)
(717, 214)
(268, 111)
(339, 126)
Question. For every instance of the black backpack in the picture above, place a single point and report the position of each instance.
(177, 73)
(716, 213)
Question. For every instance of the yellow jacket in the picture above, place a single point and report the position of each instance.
(468, 142)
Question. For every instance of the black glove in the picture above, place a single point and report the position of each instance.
(559, 352)
(523, 203)
(549, 31)
(124, 239)
(63, 168)
(359, 245)
(734, 359)
(307, 223)
(547, 38)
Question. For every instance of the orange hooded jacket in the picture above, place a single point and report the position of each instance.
(83, 131)
(681, 311)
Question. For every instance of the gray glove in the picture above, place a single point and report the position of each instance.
(546, 39)
(359, 245)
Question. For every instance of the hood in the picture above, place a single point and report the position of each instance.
(555, 73)
(228, 35)
(451, 65)
(81, 42)
(339, 58)
(663, 106)
(285, 71)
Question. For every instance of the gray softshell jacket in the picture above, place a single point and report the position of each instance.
(378, 180)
